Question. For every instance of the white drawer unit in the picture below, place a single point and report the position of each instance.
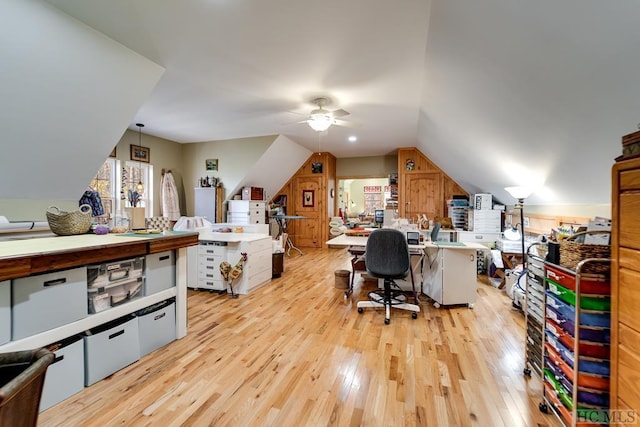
(46, 301)
(5, 311)
(210, 255)
(478, 237)
(110, 347)
(65, 376)
(246, 212)
(160, 272)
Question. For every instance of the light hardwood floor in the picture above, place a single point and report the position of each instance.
(297, 353)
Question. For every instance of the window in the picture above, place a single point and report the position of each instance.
(105, 183)
(132, 174)
(114, 188)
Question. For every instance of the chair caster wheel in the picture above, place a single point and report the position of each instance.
(414, 315)
(436, 305)
(386, 321)
(360, 310)
(527, 372)
(543, 408)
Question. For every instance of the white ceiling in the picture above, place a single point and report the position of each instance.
(496, 92)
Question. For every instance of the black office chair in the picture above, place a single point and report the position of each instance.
(387, 257)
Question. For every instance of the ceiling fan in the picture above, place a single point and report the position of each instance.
(320, 119)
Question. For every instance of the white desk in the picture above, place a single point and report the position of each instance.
(416, 251)
(449, 275)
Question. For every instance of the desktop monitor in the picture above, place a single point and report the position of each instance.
(379, 216)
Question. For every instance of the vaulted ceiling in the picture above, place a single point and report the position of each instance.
(497, 92)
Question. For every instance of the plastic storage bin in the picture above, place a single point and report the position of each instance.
(65, 376)
(5, 311)
(114, 283)
(589, 283)
(110, 347)
(47, 301)
(156, 325)
(160, 272)
(587, 302)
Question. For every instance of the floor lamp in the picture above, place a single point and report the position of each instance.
(521, 193)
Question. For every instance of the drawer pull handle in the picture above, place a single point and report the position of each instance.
(210, 259)
(116, 334)
(209, 275)
(55, 282)
(164, 258)
(124, 273)
(159, 316)
(58, 359)
(210, 267)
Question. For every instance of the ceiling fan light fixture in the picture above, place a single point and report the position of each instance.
(320, 122)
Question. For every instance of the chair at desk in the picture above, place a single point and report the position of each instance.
(387, 257)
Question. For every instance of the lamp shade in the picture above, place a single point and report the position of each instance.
(320, 122)
(512, 234)
(519, 192)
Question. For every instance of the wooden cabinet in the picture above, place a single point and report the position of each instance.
(423, 187)
(625, 294)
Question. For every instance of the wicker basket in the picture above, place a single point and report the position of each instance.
(69, 223)
(571, 253)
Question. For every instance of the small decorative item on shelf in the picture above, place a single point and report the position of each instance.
(69, 223)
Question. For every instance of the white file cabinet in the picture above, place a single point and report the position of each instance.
(451, 275)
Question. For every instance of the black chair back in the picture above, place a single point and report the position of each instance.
(387, 254)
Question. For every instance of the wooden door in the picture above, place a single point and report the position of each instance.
(309, 201)
(423, 195)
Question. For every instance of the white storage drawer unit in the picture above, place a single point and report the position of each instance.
(113, 283)
(110, 347)
(65, 376)
(246, 212)
(210, 255)
(5, 311)
(47, 301)
(478, 237)
(487, 221)
(156, 326)
(160, 272)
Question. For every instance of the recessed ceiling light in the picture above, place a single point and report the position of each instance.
(353, 138)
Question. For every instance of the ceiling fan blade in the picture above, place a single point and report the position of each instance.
(345, 123)
(340, 113)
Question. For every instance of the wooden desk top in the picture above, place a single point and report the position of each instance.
(22, 258)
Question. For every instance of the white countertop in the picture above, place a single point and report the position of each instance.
(344, 240)
(216, 236)
(42, 245)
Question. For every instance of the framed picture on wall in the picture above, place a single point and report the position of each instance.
(140, 153)
(211, 164)
(307, 198)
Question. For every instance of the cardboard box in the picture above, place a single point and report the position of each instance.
(253, 193)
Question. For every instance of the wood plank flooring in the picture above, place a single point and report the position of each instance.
(297, 353)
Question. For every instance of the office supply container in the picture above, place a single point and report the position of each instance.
(160, 272)
(65, 375)
(156, 325)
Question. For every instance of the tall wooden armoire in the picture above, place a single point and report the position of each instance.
(625, 286)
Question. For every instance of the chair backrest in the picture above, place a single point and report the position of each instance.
(158, 223)
(21, 380)
(387, 254)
